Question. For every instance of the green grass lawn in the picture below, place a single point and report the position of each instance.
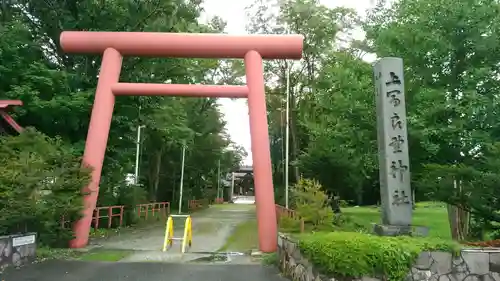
(244, 238)
(430, 214)
(105, 255)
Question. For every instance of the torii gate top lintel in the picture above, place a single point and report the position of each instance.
(183, 45)
(6, 104)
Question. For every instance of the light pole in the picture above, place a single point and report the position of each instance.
(218, 179)
(287, 131)
(182, 176)
(287, 123)
(137, 152)
(232, 186)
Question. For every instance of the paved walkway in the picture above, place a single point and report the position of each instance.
(211, 228)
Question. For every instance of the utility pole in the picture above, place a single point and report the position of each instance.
(218, 179)
(137, 152)
(287, 131)
(232, 187)
(182, 176)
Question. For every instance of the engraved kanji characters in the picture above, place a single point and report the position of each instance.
(396, 121)
(399, 197)
(396, 143)
(398, 168)
(394, 79)
(394, 94)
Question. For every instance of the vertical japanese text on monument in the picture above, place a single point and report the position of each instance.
(396, 138)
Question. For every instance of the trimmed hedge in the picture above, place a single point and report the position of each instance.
(352, 254)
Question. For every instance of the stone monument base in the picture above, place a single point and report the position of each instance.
(398, 230)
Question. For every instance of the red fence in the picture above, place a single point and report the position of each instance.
(219, 201)
(197, 204)
(143, 210)
(288, 213)
(162, 208)
(109, 214)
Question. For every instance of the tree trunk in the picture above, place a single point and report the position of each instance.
(294, 139)
(458, 217)
(156, 175)
(459, 222)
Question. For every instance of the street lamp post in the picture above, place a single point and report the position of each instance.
(218, 179)
(232, 186)
(137, 152)
(287, 133)
(182, 176)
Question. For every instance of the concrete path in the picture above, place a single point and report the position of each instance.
(211, 228)
(148, 263)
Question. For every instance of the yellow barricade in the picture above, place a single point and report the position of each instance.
(169, 234)
(187, 238)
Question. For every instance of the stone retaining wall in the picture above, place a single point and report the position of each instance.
(17, 250)
(470, 265)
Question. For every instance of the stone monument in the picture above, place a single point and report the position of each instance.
(395, 189)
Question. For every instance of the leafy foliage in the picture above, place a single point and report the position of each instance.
(57, 90)
(351, 254)
(311, 203)
(451, 62)
(40, 182)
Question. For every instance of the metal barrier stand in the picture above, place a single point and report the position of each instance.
(187, 238)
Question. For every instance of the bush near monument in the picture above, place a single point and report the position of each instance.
(40, 182)
(312, 204)
(351, 254)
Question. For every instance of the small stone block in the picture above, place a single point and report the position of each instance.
(399, 230)
(477, 262)
(256, 253)
(495, 262)
(441, 262)
(424, 261)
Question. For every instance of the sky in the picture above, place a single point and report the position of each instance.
(233, 12)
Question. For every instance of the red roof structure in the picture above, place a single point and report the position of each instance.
(5, 106)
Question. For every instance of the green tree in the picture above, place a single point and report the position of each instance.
(58, 89)
(40, 186)
(450, 50)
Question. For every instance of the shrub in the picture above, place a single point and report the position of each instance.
(351, 254)
(289, 225)
(130, 196)
(40, 181)
(311, 203)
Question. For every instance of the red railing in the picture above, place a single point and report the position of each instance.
(219, 201)
(109, 214)
(197, 204)
(289, 213)
(156, 207)
(143, 210)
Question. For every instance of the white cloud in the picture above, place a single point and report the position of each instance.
(233, 12)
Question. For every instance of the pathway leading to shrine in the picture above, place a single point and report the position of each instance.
(211, 228)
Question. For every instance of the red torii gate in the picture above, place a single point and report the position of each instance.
(251, 48)
(5, 106)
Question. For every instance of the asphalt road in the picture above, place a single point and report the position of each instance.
(141, 271)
